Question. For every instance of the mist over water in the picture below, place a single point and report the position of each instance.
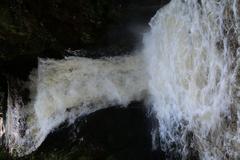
(187, 71)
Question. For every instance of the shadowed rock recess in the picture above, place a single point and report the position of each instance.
(30, 29)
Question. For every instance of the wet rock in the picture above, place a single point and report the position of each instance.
(113, 134)
(46, 28)
(38, 28)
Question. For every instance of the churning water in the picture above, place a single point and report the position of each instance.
(192, 59)
(66, 89)
(188, 71)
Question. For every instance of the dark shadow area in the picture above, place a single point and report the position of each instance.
(110, 134)
(47, 28)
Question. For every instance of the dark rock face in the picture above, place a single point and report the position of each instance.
(44, 27)
(111, 134)
(115, 133)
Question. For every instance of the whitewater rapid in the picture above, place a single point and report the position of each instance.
(187, 71)
(192, 55)
(65, 89)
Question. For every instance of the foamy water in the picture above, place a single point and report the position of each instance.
(66, 89)
(192, 58)
(188, 72)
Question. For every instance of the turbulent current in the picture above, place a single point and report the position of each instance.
(66, 89)
(187, 71)
(192, 59)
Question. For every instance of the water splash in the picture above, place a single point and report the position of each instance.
(66, 89)
(192, 59)
(189, 66)
(2, 129)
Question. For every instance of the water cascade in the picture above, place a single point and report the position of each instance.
(193, 62)
(187, 71)
(66, 89)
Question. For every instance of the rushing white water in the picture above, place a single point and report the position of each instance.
(2, 130)
(192, 59)
(66, 89)
(189, 67)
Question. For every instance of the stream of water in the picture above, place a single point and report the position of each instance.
(187, 71)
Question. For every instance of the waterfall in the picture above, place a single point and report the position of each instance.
(192, 59)
(65, 89)
(187, 71)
